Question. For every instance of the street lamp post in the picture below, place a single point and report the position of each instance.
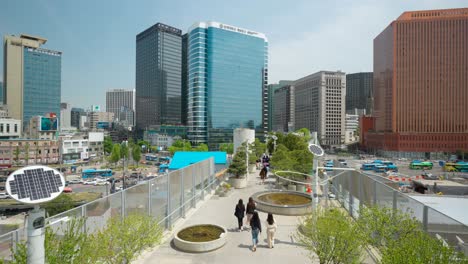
(125, 142)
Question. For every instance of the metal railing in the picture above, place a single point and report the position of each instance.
(354, 189)
(166, 198)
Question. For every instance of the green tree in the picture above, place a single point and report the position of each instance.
(305, 133)
(108, 144)
(382, 225)
(332, 236)
(136, 153)
(257, 148)
(238, 166)
(124, 150)
(180, 145)
(74, 246)
(60, 204)
(227, 147)
(16, 154)
(201, 148)
(115, 155)
(122, 240)
(26, 153)
(420, 248)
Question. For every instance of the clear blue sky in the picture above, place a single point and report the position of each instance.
(97, 37)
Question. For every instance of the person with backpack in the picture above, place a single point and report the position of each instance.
(239, 213)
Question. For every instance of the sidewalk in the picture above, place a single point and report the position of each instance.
(220, 211)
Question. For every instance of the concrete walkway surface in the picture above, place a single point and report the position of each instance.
(220, 211)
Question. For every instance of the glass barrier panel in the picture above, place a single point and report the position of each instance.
(446, 227)
(159, 197)
(115, 201)
(188, 184)
(408, 205)
(175, 193)
(58, 223)
(384, 195)
(136, 199)
(98, 213)
(6, 245)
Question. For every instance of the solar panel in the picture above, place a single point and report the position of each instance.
(35, 184)
(316, 150)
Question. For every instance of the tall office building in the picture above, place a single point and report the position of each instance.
(158, 76)
(32, 77)
(420, 84)
(75, 115)
(320, 106)
(271, 92)
(283, 109)
(122, 104)
(227, 81)
(359, 92)
(65, 115)
(1, 93)
(184, 100)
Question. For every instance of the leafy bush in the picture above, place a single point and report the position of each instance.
(238, 166)
(332, 237)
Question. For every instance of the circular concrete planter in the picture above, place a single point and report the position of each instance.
(238, 183)
(267, 207)
(201, 246)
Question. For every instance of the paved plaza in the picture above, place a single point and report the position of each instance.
(220, 211)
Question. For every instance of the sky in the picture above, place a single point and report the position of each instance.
(97, 38)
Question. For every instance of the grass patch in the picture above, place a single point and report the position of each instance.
(200, 233)
(284, 199)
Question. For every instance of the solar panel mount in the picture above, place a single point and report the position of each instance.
(35, 184)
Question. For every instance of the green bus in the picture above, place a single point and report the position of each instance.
(417, 165)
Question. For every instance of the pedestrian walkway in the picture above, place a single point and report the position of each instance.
(220, 211)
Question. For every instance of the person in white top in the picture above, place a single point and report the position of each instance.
(271, 230)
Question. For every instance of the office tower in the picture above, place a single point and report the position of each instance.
(227, 81)
(32, 77)
(122, 104)
(184, 100)
(158, 76)
(320, 106)
(359, 92)
(271, 91)
(65, 115)
(100, 120)
(1, 92)
(420, 84)
(283, 109)
(75, 115)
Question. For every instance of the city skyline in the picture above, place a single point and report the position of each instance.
(106, 58)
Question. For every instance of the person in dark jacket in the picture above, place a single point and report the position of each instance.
(239, 213)
(250, 210)
(263, 174)
(256, 227)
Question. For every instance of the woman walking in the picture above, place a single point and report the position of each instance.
(271, 230)
(239, 213)
(263, 174)
(256, 227)
(250, 210)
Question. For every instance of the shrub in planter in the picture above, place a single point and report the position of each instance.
(238, 166)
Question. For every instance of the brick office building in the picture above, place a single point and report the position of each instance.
(421, 84)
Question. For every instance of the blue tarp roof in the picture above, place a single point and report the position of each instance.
(184, 158)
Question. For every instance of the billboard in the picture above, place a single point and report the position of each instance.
(103, 125)
(49, 123)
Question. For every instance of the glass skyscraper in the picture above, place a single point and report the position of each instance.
(158, 76)
(32, 78)
(227, 77)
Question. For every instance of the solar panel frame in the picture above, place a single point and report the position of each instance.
(35, 184)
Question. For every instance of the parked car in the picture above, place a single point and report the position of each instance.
(4, 195)
(67, 190)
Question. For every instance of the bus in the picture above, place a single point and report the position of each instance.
(458, 166)
(417, 165)
(368, 166)
(329, 165)
(93, 173)
(380, 168)
(150, 157)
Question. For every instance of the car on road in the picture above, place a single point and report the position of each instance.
(75, 181)
(4, 195)
(89, 182)
(67, 190)
(101, 183)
